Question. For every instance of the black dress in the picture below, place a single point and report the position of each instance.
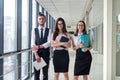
(61, 61)
(82, 62)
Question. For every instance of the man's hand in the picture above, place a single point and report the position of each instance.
(38, 58)
(34, 48)
(41, 46)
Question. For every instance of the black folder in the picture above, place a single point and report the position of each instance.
(64, 39)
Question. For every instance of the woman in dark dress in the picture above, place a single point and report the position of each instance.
(83, 58)
(61, 56)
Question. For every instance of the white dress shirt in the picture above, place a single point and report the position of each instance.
(47, 44)
(77, 39)
(58, 39)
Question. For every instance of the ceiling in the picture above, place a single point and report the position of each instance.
(70, 10)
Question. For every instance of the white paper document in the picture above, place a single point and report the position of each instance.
(39, 65)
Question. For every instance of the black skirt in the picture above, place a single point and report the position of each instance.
(82, 63)
(61, 61)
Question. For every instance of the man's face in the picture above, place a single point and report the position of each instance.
(41, 20)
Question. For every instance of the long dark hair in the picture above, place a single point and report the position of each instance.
(56, 30)
(84, 30)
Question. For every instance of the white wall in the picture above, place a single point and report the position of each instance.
(96, 13)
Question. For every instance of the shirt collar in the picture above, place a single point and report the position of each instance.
(80, 34)
(39, 27)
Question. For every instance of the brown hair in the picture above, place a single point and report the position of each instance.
(56, 30)
(41, 14)
(84, 30)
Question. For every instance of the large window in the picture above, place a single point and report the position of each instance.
(40, 8)
(116, 38)
(34, 12)
(25, 37)
(117, 15)
(24, 65)
(48, 21)
(10, 68)
(10, 38)
(25, 24)
(34, 18)
(10, 29)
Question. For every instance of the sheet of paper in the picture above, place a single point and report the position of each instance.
(39, 65)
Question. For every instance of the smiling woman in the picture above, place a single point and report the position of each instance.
(60, 42)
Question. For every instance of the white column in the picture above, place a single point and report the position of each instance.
(107, 40)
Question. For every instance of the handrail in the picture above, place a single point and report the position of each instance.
(17, 66)
(14, 53)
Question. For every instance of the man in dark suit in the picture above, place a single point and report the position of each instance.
(40, 43)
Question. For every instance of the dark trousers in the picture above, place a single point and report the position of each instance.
(45, 72)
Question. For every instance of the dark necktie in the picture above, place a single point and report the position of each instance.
(41, 33)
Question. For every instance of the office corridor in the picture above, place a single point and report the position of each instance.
(19, 17)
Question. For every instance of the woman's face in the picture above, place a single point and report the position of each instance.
(60, 25)
(80, 26)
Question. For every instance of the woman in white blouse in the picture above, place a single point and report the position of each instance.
(83, 58)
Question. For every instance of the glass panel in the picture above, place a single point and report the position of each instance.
(46, 17)
(10, 68)
(34, 20)
(118, 46)
(118, 34)
(48, 21)
(116, 28)
(40, 8)
(34, 12)
(25, 24)
(10, 32)
(24, 65)
(45, 12)
(32, 66)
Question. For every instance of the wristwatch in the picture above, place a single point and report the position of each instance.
(38, 46)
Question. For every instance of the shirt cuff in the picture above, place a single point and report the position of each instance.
(46, 45)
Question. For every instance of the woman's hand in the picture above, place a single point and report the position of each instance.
(85, 49)
(66, 44)
(81, 45)
(75, 47)
(56, 43)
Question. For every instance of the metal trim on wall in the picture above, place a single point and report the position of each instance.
(19, 36)
(42, 10)
(1, 35)
(30, 28)
(46, 19)
(37, 14)
(50, 21)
